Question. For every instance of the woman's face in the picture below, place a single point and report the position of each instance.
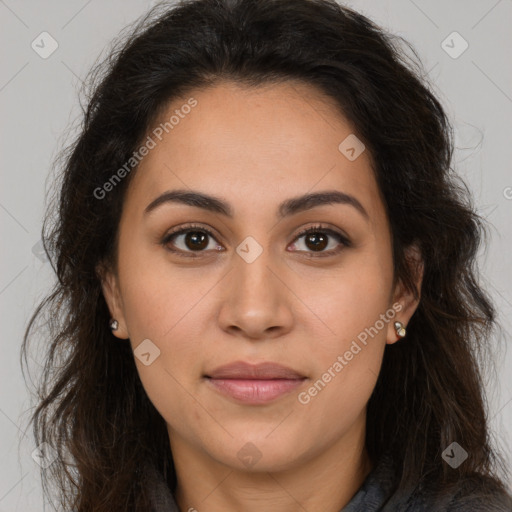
(256, 291)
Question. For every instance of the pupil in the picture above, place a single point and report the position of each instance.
(195, 237)
(317, 245)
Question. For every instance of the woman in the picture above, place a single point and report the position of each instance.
(267, 296)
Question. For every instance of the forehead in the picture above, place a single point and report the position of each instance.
(255, 145)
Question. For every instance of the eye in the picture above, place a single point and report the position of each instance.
(316, 239)
(190, 239)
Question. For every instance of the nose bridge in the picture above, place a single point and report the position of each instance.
(256, 300)
(252, 263)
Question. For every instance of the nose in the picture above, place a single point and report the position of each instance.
(257, 301)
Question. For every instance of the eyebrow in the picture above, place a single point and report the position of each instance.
(286, 208)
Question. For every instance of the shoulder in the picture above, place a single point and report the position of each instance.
(479, 494)
(475, 493)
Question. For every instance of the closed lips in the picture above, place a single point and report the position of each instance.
(254, 384)
(246, 371)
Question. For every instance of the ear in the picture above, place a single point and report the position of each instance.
(404, 301)
(110, 286)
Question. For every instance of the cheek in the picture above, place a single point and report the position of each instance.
(166, 305)
(349, 299)
(353, 304)
(158, 295)
(347, 363)
(170, 314)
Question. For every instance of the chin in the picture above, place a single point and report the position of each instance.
(262, 454)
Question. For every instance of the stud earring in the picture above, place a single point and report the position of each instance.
(400, 329)
(114, 324)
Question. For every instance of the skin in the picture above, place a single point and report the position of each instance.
(255, 148)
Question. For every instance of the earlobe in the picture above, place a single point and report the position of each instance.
(112, 295)
(407, 299)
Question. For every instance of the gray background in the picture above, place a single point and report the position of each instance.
(39, 104)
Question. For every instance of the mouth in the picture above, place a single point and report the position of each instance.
(254, 384)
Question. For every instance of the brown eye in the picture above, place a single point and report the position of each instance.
(316, 241)
(196, 240)
(187, 241)
(317, 238)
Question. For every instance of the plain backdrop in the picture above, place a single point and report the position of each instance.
(39, 104)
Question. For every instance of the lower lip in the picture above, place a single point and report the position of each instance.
(252, 391)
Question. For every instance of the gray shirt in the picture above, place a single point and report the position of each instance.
(375, 495)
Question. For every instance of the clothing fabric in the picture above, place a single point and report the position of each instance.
(375, 495)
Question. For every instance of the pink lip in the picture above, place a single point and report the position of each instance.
(254, 384)
(255, 391)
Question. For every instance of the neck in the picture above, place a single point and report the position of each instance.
(325, 481)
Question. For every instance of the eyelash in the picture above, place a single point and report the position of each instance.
(343, 240)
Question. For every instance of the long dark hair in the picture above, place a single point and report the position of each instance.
(93, 409)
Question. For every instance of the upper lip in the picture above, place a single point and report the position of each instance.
(243, 370)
